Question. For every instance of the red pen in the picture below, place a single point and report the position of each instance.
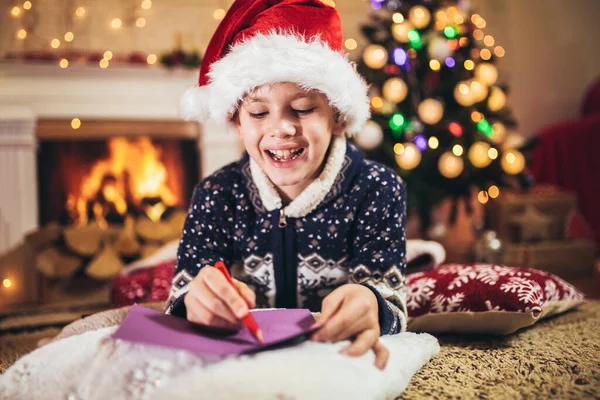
(248, 320)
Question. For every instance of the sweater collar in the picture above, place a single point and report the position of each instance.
(340, 166)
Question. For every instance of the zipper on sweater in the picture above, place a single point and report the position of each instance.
(282, 220)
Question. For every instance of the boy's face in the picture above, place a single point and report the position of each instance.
(287, 131)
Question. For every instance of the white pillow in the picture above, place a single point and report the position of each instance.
(91, 365)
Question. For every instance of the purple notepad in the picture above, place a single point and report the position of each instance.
(144, 325)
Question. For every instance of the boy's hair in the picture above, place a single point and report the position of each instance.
(263, 42)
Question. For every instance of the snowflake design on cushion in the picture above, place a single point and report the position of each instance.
(485, 287)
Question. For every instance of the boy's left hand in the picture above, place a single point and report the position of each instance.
(351, 312)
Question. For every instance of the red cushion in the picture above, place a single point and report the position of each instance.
(144, 285)
(478, 289)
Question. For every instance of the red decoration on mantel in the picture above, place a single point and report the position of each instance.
(484, 287)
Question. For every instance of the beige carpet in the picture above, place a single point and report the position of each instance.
(556, 358)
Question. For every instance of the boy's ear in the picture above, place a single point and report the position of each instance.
(339, 124)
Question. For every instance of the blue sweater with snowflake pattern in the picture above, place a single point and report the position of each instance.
(348, 226)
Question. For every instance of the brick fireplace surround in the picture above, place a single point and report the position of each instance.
(33, 95)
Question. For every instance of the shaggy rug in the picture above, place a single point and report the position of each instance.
(556, 358)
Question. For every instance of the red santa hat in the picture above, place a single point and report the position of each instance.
(267, 41)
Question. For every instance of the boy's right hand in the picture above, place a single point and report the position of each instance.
(212, 301)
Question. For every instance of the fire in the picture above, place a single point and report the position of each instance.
(131, 175)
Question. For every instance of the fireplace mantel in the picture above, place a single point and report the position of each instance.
(126, 94)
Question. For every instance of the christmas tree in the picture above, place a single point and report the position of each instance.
(439, 113)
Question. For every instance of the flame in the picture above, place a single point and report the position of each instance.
(132, 172)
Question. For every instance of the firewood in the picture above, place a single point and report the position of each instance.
(159, 231)
(40, 238)
(176, 222)
(126, 243)
(106, 265)
(84, 240)
(54, 263)
(149, 249)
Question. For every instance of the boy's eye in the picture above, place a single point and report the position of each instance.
(304, 112)
(257, 115)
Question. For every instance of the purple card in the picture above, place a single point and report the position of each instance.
(144, 325)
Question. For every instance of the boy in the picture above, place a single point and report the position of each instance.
(301, 220)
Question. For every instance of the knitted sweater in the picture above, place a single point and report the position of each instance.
(347, 226)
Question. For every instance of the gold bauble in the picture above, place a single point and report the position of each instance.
(400, 31)
(463, 94)
(478, 155)
(375, 56)
(419, 16)
(409, 158)
(487, 73)
(450, 165)
(497, 99)
(479, 90)
(395, 90)
(431, 111)
(513, 162)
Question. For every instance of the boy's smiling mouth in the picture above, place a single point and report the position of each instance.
(285, 157)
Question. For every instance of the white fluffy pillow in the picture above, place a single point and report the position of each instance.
(94, 366)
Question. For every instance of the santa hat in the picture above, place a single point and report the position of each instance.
(268, 41)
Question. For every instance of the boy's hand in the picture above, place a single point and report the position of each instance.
(351, 312)
(213, 302)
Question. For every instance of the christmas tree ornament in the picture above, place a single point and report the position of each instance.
(478, 90)
(478, 155)
(450, 165)
(375, 56)
(532, 225)
(513, 162)
(463, 94)
(497, 99)
(438, 48)
(395, 90)
(486, 73)
(370, 137)
(431, 111)
(400, 31)
(419, 16)
(409, 158)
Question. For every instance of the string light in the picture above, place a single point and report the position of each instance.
(469, 65)
(485, 54)
(499, 51)
(399, 149)
(434, 65)
(69, 37)
(75, 123)
(146, 4)
(6, 283)
(396, 121)
(140, 22)
(398, 18)
(21, 34)
(476, 116)
(16, 11)
(350, 44)
(108, 55)
(103, 63)
(116, 23)
(80, 12)
(478, 34)
(55, 43)
(433, 142)
(27, 5)
(450, 32)
(488, 40)
(376, 102)
(399, 56)
(219, 14)
(151, 59)
(493, 153)
(457, 150)
(483, 197)
(463, 41)
(64, 63)
(412, 54)
(455, 129)
(494, 191)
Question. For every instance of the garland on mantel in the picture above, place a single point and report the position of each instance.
(173, 59)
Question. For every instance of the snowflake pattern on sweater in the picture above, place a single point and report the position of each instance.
(348, 226)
